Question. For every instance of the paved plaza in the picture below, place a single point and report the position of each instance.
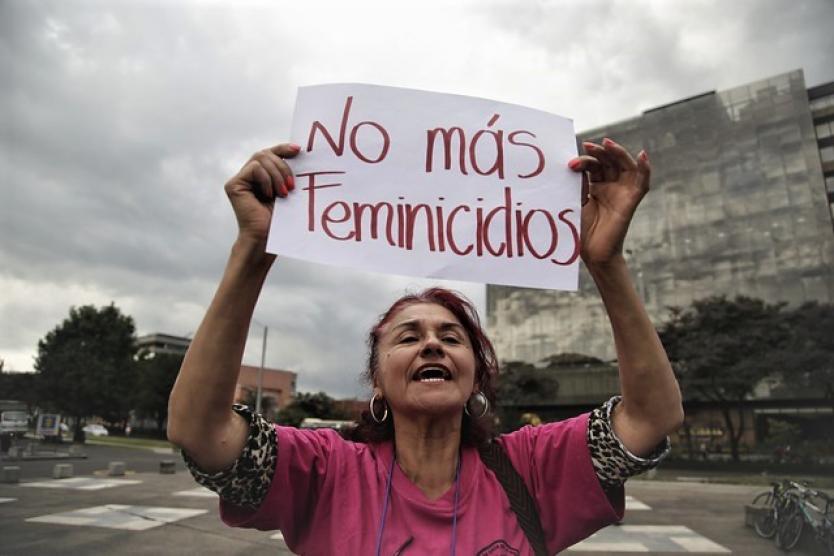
(649, 538)
(147, 513)
(80, 483)
(119, 516)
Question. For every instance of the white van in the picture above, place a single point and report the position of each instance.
(313, 423)
(14, 418)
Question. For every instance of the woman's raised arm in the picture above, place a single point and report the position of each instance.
(616, 183)
(200, 416)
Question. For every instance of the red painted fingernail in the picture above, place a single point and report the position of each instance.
(291, 182)
(607, 141)
(574, 164)
(643, 155)
(295, 147)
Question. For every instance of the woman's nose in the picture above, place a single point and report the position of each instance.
(432, 347)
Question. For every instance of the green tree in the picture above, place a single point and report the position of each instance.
(86, 367)
(19, 386)
(521, 384)
(306, 404)
(269, 406)
(721, 349)
(570, 360)
(156, 373)
(809, 356)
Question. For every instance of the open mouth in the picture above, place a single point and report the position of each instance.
(432, 373)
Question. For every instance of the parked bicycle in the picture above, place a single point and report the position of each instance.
(773, 506)
(807, 508)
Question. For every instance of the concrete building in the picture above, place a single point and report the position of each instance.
(822, 110)
(163, 343)
(277, 385)
(741, 203)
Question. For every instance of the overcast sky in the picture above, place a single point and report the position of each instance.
(120, 122)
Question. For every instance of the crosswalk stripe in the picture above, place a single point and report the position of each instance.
(632, 504)
(81, 483)
(590, 546)
(699, 544)
(119, 516)
(647, 538)
(199, 492)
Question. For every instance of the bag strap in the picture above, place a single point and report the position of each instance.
(521, 502)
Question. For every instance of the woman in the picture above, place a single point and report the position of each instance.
(417, 484)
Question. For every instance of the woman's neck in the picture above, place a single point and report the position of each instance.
(427, 452)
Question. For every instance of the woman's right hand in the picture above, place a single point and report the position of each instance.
(253, 189)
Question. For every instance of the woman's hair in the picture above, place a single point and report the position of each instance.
(475, 430)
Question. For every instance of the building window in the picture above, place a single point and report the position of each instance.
(822, 102)
(825, 130)
(827, 153)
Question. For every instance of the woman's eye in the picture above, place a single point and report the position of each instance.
(451, 340)
(408, 339)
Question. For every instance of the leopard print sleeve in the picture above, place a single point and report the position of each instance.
(612, 461)
(247, 481)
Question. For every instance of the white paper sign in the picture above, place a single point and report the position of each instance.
(432, 185)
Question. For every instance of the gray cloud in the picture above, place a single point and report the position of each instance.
(620, 57)
(120, 122)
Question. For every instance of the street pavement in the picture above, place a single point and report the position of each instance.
(97, 456)
(685, 517)
(147, 513)
(143, 512)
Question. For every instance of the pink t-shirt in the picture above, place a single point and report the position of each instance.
(327, 496)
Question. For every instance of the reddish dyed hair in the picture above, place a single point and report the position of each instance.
(474, 431)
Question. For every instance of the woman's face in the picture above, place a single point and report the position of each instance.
(426, 362)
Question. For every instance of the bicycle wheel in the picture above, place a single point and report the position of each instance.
(763, 499)
(765, 524)
(790, 531)
(764, 521)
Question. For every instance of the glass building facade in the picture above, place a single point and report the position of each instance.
(821, 100)
(741, 204)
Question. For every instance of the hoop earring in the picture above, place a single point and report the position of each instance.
(378, 420)
(479, 399)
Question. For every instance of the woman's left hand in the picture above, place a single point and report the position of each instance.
(614, 183)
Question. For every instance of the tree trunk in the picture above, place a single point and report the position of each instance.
(731, 429)
(741, 428)
(687, 433)
(160, 428)
(79, 436)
